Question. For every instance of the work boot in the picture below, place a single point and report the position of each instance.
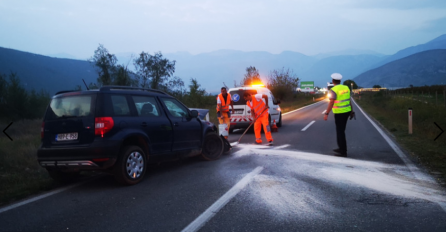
(258, 142)
(340, 153)
(270, 142)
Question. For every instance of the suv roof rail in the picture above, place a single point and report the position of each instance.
(66, 91)
(111, 87)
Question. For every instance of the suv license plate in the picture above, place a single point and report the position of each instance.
(66, 136)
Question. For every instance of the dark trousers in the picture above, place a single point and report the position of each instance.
(341, 123)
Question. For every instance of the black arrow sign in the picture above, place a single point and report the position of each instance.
(440, 129)
(6, 129)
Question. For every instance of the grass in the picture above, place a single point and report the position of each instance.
(20, 173)
(392, 113)
(22, 176)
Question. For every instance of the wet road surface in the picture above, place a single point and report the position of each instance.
(296, 185)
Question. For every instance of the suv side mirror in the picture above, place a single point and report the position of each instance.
(194, 113)
(276, 102)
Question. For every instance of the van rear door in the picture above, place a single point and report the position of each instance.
(242, 111)
(69, 119)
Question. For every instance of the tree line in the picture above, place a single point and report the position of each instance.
(18, 103)
(152, 71)
(281, 82)
(156, 72)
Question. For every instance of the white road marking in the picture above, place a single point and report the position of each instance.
(213, 210)
(302, 108)
(281, 147)
(413, 169)
(305, 128)
(13, 206)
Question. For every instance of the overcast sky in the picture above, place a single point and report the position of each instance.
(311, 27)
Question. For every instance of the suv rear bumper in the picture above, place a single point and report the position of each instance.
(93, 156)
(237, 125)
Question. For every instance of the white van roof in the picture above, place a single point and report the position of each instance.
(245, 87)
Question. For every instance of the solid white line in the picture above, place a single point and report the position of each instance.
(302, 108)
(311, 123)
(397, 150)
(13, 206)
(412, 168)
(213, 210)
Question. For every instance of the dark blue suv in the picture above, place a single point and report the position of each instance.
(120, 130)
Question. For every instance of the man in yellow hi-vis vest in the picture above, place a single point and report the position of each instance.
(342, 110)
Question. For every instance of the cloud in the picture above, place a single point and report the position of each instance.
(437, 25)
(397, 4)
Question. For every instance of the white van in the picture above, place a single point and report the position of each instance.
(241, 117)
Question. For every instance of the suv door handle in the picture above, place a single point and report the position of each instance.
(144, 124)
(176, 124)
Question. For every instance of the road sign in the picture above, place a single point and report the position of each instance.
(307, 86)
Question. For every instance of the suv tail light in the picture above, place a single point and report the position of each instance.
(42, 130)
(103, 125)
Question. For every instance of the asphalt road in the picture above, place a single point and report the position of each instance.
(296, 185)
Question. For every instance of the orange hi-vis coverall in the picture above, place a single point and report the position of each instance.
(258, 106)
(223, 108)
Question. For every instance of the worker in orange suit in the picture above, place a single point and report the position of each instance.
(223, 113)
(259, 110)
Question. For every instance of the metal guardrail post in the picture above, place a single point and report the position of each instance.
(410, 121)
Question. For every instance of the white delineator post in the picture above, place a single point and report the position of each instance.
(410, 121)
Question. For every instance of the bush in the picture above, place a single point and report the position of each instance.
(282, 83)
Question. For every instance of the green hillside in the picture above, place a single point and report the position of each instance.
(43, 72)
(424, 68)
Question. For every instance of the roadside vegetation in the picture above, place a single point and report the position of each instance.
(20, 173)
(390, 108)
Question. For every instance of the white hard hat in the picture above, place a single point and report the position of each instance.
(336, 76)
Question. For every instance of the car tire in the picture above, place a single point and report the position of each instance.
(131, 165)
(213, 147)
(63, 177)
(279, 124)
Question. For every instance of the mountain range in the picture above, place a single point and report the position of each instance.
(43, 72)
(423, 68)
(212, 69)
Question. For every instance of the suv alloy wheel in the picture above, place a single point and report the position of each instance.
(131, 165)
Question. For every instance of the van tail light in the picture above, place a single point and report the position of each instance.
(103, 125)
(42, 130)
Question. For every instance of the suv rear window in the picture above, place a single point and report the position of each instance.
(237, 96)
(70, 106)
